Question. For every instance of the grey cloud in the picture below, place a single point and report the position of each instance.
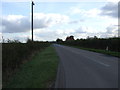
(111, 31)
(76, 21)
(81, 30)
(21, 25)
(111, 9)
(117, 25)
(49, 35)
(40, 23)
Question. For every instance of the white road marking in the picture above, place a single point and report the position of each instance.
(94, 60)
(101, 63)
(86, 57)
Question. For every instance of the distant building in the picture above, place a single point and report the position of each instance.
(71, 38)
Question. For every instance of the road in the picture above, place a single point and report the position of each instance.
(85, 69)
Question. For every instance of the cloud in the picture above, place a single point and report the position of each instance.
(15, 23)
(110, 9)
(93, 12)
(81, 30)
(112, 30)
(48, 34)
(75, 10)
(76, 21)
(87, 13)
(0, 37)
(54, 0)
(19, 23)
(48, 20)
(113, 0)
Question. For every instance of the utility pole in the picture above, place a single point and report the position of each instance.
(32, 18)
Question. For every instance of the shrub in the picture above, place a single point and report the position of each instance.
(14, 53)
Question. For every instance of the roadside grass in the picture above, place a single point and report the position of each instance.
(116, 54)
(40, 72)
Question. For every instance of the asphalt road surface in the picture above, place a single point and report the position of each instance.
(85, 69)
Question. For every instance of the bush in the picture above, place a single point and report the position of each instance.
(97, 43)
(14, 53)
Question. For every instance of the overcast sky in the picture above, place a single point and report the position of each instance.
(54, 20)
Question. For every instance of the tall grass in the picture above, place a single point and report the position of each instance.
(14, 53)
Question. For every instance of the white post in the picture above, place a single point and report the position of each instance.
(107, 48)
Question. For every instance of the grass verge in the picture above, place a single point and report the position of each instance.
(40, 72)
(116, 54)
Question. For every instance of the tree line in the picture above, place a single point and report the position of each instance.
(112, 44)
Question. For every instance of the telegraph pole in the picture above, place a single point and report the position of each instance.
(32, 18)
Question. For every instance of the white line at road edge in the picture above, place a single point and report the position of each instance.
(86, 57)
(101, 63)
(94, 60)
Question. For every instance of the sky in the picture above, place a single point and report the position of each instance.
(59, 19)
